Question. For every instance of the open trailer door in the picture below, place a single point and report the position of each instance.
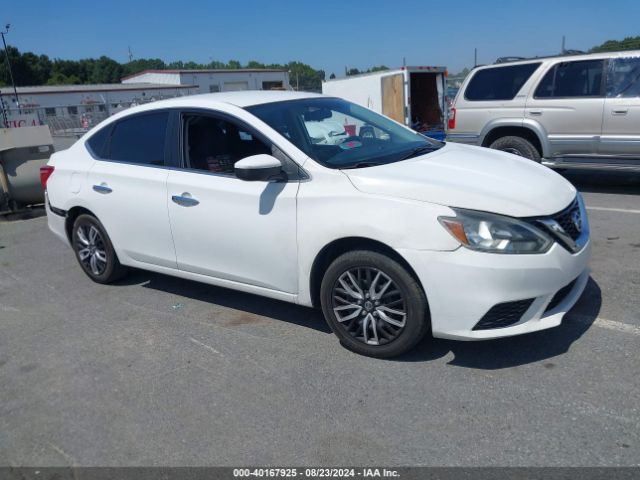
(393, 97)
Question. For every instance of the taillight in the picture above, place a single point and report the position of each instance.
(45, 173)
(452, 118)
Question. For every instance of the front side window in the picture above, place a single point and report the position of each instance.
(499, 83)
(214, 144)
(340, 134)
(572, 79)
(139, 139)
(623, 77)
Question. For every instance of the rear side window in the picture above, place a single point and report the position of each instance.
(572, 79)
(623, 77)
(139, 139)
(98, 142)
(500, 83)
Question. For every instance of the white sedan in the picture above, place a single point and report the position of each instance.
(392, 235)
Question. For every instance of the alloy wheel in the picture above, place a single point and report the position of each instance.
(369, 305)
(91, 249)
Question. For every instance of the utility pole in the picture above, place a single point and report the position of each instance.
(563, 50)
(130, 55)
(6, 53)
(475, 57)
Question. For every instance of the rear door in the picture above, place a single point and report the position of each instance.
(568, 103)
(621, 122)
(127, 187)
(393, 97)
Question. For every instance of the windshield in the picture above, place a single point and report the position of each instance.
(340, 134)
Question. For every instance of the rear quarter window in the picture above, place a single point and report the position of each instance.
(98, 142)
(499, 83)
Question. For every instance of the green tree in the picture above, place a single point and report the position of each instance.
(629, 43)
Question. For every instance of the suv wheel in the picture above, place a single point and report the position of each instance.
(373, 305)
(517, 146)
(94, 250)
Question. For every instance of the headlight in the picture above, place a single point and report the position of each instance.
(487, 232)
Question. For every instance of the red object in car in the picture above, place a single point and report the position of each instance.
(45, 173)
(452, 118)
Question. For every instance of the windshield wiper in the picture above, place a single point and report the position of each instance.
(420, 149)
(362, 165)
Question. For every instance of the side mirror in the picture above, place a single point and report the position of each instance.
(258, 168)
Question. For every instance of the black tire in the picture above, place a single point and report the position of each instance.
(393, 340)
(517, 146)
(85, 242)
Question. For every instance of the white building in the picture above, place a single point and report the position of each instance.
(208, 81)
(75, 106)
(73, 109)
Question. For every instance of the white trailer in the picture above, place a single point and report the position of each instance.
(414, 96)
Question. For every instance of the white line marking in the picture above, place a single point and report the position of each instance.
(608, 324)
(204, 345)
(606, 209)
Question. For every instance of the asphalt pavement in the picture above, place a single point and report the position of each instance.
(162, 371)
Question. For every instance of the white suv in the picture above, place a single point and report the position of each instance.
(579, 111)
(391, 235)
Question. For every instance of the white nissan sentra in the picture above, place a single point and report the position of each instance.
(317, 201)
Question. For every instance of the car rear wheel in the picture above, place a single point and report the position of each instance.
(373, 305)
(517, 146)
(94, 250)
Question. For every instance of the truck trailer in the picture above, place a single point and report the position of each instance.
(413, 96)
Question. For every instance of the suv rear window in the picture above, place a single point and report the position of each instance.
(499, 83)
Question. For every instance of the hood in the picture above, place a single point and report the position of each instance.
(469, 177)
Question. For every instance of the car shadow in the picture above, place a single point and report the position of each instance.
(519, 350)
(486, 355)
(246, 302)
(621, 183)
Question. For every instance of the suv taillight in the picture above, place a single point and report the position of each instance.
(45, 173)
(452, 118)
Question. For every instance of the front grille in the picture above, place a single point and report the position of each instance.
(560, 296)
(568, 218)
(503, 314)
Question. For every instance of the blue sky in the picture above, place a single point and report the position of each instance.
(327, 34)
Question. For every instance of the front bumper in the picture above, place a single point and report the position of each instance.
(463, 285)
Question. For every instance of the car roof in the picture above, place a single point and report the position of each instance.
(213, 101)
(581, 56)
(241, 99)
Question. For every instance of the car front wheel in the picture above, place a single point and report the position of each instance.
(373, 305)
(94, 250)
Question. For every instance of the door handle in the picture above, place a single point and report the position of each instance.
(620, 111)
(185, 200)
(535, 112)
(102, 188)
